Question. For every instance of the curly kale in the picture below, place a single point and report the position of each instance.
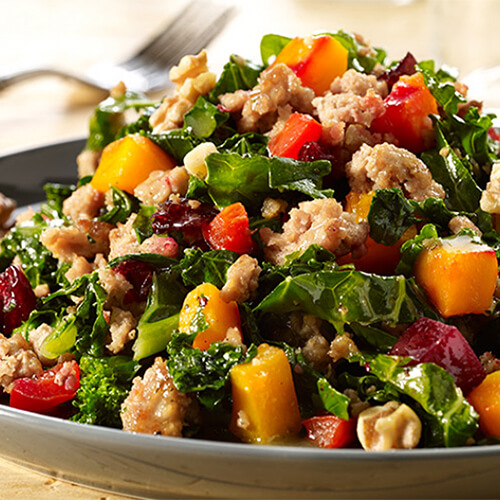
(105, 383)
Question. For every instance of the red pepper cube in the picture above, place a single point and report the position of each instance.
(297, 131)
(230, 230)
(407, 110)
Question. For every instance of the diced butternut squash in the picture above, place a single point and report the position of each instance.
(204, 312)
(458, 276)
(316, 60)
(127, 162)
(359, 204)
(265, 405)
(485, 399)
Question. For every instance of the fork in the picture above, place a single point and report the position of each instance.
(147, 70)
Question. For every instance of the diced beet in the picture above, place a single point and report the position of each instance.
(429, 341)
(17, 298)
(139, 274)
(404, 67)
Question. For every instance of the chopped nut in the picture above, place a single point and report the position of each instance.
(390, 427)
(273, 207)
(195, 162)
(342, 347)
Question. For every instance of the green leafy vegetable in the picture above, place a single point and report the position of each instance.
(206, 372)
(203, 119)
(250, 179)
(452, 419)
(55, 195)
(376, 338)
(124, 205)
(341, 297)
(206, 267)
(142, 224)
(237, 74)
(271, 45)
(359, 58)
(107, 119)
(391, 214)
(462, 191)
(105, 383)
(91, 325)
(333, 401)
(161, 317)
(37, 261)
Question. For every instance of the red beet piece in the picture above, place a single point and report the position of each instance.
(429, 341)
(17, 298)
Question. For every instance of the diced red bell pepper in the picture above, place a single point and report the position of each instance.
(330, 431)
(16, 298)
(407, 110)
(298, 130)
(230, 230)
(430, 341)
(43, 393)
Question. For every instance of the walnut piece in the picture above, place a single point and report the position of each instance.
(393, 426)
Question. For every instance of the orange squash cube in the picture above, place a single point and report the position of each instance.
(204, 307)
(127, 162)
(316, 60)
(458, 276)
(485, 399)
(265, 405)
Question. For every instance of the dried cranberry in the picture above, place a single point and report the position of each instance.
(139, 274)
(17, 298)
(315, 150)
(429, 341)
(184, 217)
(404, 67)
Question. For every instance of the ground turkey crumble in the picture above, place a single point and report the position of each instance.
(84, 203)
(349, 108)
(17, 360)
(386, 166)
(321, 222)
(241, 279)
(278, 93)
(155, 406)
(160, 184)
(86, 240)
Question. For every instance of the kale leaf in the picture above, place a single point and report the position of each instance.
(124, 205)
(105, 383)
(345, 296)
(452, 420)
(107, 120)
(37, 262)
(250, 179)
(237, 74)
(205, 372)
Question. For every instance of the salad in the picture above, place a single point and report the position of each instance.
(300, 250)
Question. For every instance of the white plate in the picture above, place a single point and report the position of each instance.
(160, 467)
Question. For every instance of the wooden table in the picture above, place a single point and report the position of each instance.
(81, 32)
